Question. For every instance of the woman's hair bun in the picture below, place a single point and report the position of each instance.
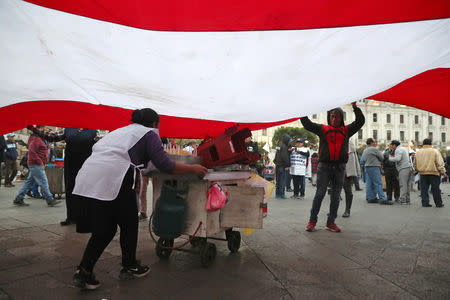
(145, 116)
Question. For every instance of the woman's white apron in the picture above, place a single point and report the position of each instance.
(102, 173)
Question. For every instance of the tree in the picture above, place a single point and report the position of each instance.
(262, 151)
(295, 133)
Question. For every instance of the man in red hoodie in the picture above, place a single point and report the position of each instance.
(333, 156)
(37, 159)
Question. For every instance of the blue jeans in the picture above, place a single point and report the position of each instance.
(280, 181)
(425, 182)
(36, 175)
(374, 185)
(328, 173)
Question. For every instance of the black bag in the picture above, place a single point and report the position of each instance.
(24, 160)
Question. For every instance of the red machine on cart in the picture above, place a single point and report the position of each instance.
(227, 148)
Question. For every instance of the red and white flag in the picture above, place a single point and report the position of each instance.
(205, 65)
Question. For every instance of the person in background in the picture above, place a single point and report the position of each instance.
(333, 149)
(10, 157)
(372, 166)
(299, 164)
(391, 176)
(430, 165)
(107, 179)
(2, 154)
(352, 170)
(79, 142)
(414, 173)
(401, 159)
(314, 164)
(282, 164)
(37, 159)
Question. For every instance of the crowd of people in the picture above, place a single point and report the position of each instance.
(337, 166)
(101, 174)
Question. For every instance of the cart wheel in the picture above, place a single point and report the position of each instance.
(195, 242)
(161, 252)
(207, 254)
(234, 241)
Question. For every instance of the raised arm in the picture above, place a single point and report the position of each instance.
(311, 126)
(359, 120)
(48, 136)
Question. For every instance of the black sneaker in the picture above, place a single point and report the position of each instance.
(135, 271)
(427, 205)
(440, 205)
(84, 280)
(20, 203)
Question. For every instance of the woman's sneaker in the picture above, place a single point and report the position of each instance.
(85, 280)
(134, 271)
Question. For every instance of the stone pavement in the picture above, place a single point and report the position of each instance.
(383, 252)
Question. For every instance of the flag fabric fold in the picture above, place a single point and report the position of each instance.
(205, 67)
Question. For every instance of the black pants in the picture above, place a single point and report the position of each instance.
(392, 184)
(72, 164)
(121, 211)
(425, 182)
(328, 173)
(348, 192)
(299, 184)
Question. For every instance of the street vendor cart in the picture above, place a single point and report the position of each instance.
(243, 210)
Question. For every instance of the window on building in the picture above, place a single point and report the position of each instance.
(430, 120)
(375, 117)
(388, 118)
(360, 134)
(264, 132)
(388, 135)
(345, 116)
(375, 135)
(443, 137)
(443, 121)
(401, 119)
(416, 136)
(430, 135)
(314, 116)
(402, 136)
(416, 119)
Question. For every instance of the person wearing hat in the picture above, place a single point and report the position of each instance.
(299, 166)
(10, 160)
(107, 178)
(401, 159)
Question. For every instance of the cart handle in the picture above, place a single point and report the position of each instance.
(175, 247)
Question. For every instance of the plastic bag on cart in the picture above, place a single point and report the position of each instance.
(217, 197)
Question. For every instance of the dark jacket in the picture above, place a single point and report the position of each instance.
(282, 157)
(2, 147)
(333, 141)
(11, 150)
(387, 164)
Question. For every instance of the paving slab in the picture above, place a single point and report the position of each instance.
(383, 252)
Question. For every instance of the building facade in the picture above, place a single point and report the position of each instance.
(384, 122)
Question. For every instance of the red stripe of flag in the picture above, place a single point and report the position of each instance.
(238, 15)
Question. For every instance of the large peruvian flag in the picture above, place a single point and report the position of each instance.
(207, 64)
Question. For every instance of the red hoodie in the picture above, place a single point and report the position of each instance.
(37, 151)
